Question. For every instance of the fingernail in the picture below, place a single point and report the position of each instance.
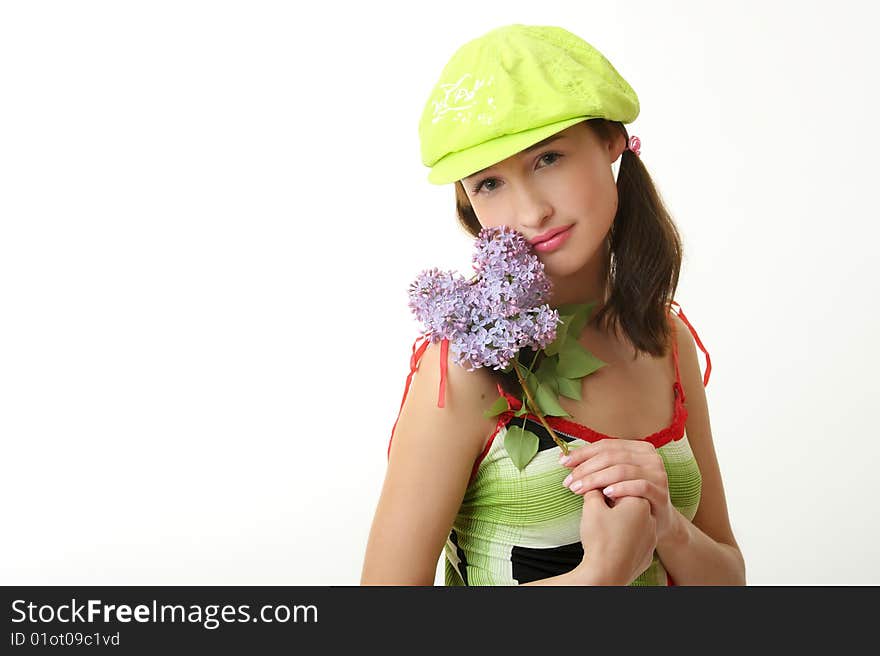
(576, 486)
(567, 480)
(563, 460)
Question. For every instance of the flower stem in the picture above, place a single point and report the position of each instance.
(537, 411)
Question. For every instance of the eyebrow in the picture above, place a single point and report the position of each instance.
(540, 144)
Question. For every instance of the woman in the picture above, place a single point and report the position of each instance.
(528, 122)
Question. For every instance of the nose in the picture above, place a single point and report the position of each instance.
(534, 210)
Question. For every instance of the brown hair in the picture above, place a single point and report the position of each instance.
(645, 254)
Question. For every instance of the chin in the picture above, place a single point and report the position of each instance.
(570, 259)
(563, 266)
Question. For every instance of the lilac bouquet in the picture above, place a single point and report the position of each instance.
(490, 317)
(486, 321)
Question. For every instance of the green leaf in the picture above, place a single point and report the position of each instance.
(561, 333)
(524, 409)
(569, 387)
(553, 347)
(568, 308)
(531, 382)
(548, 401)
(497, 408)
(521, 445)
(548, 367)
(576, 362)
(547, 375)
(581, 313)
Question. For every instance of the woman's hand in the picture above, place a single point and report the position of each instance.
(631, 468)
(618, 542)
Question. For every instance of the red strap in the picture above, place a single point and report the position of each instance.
(678, 388)
(444, 350)
(413, 366)
(699, 343)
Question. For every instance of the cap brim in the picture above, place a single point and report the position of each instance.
(463, 163)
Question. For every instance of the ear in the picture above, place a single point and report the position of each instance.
(617, 144)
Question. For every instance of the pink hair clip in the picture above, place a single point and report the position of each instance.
(635, 145)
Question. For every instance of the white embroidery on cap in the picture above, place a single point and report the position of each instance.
(461, 100)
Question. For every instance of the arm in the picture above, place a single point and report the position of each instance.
(702, 552)
(432, 453)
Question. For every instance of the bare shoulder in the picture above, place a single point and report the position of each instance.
(681, 329)
(467, 395)
(688, 362)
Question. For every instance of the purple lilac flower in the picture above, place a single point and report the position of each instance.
(489, 319)
(504, 256)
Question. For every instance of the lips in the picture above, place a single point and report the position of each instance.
(548, 235)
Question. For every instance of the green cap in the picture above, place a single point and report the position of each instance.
(511, 88)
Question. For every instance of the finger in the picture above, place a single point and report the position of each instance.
(600, 479)
(632, 501)
(630, 491)
(650, 464)
(609, 458)
(632, 488)
(578, 455)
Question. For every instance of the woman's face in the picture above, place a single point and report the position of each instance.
(563, 181)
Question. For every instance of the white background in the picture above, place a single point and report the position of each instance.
(210, 213)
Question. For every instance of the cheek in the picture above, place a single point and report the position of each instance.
(491, 218)
(595, 201)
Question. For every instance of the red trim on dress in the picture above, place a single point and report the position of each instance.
(674, 431)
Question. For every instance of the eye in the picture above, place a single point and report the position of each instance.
(554, 155)
(476, 188)
(479, 185)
